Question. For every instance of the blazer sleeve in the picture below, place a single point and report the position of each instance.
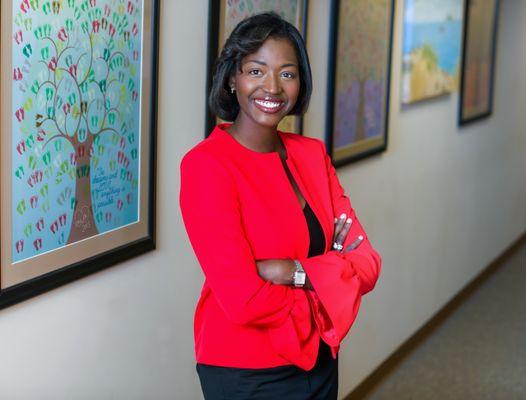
(341, 279)
(211, 214)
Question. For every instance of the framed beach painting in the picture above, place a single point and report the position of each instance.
(478, 61)
(224, 15)
(431, 48)
(358, 78)
(77, 150)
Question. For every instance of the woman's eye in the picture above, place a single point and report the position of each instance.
(288, 75)
(254, 72)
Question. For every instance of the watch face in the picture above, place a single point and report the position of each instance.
(299, 278)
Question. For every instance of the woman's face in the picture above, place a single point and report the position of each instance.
(268, 84)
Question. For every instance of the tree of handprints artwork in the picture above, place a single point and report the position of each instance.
(76, 116)
(360, 84)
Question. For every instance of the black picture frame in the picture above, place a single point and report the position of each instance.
(214, 26)
(360, 154)
(462, 119)
(141, 240)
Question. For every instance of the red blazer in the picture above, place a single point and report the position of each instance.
(238, 206)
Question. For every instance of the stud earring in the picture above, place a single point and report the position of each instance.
(232, 89)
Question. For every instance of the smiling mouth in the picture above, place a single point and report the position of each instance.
(269, 106)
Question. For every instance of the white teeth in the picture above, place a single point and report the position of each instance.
(268, 104)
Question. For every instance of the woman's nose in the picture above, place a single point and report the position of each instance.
(272, 84)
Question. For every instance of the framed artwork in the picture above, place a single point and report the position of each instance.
(358, 78)
(77, 150)
(224, 15)
(431, 48)
(478, 61)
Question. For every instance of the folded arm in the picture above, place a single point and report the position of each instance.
(340, 279)
(211, 214)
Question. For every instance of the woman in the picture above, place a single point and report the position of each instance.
(285, 259)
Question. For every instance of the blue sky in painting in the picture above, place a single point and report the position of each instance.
(418, 11)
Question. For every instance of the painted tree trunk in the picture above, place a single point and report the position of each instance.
(83, 224)
(360, 112)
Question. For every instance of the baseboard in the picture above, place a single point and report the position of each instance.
(369, 383)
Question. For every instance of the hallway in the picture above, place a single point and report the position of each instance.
(478, 352)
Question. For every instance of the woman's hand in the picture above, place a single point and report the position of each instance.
(342, 226)
(353, 245)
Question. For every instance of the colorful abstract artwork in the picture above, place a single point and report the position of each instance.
(431, 48)
(238, 10)
(76, 135)
(359, 78)
(480, 29)
(230, 12)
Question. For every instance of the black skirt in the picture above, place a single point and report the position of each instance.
(285, 382)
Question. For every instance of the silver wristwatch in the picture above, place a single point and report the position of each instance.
(299, 275)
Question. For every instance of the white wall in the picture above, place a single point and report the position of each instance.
(439, 205)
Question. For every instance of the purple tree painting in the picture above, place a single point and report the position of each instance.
(360, 78)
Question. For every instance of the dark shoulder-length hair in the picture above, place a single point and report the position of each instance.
(246, 38)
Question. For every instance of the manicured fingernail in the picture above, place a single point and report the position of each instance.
(348, 220)
(343, 216)
(335, 220)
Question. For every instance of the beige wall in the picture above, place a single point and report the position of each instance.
(439, 205)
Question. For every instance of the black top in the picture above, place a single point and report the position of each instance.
(317, 239)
